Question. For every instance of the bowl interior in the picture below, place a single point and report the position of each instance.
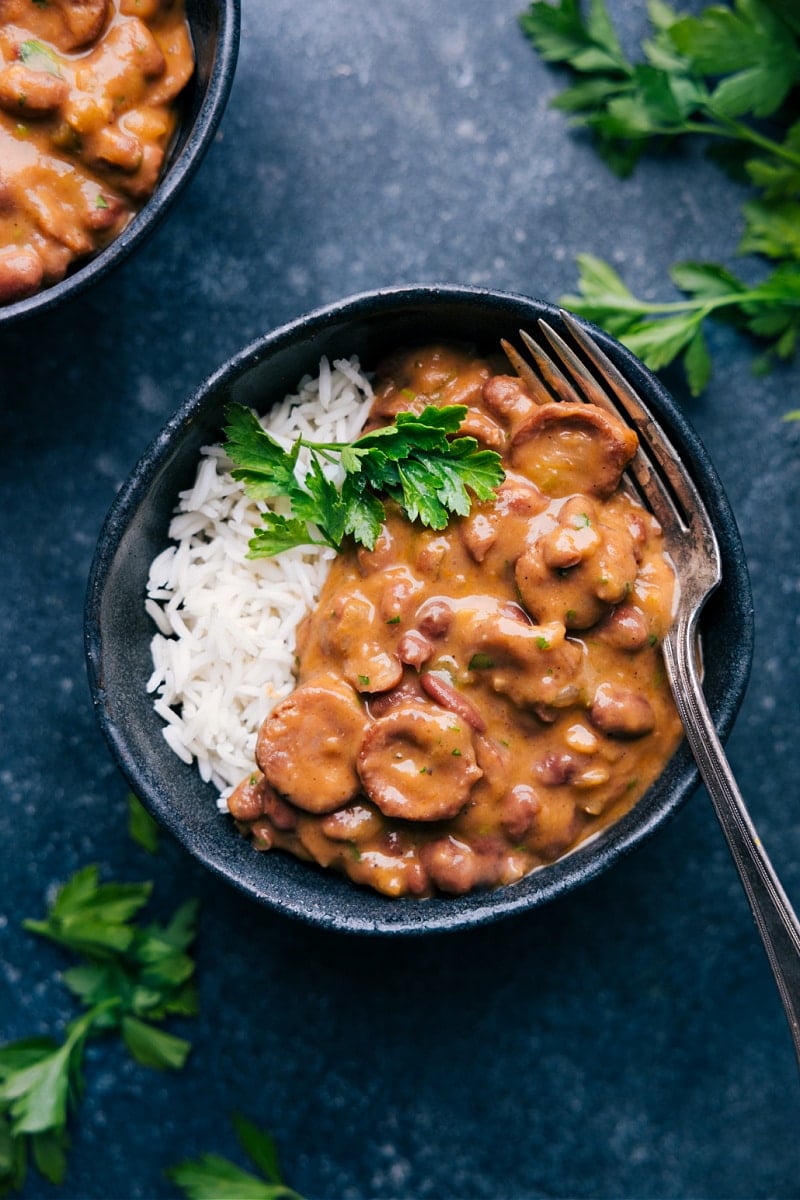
(215, 35)
(119, 632)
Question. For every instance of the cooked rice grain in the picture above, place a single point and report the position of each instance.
(223, 655)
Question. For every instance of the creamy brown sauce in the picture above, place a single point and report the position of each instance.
(473, 703)
(88, 93)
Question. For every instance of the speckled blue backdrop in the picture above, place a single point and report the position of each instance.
(625, 1042)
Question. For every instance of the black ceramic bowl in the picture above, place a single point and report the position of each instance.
(215, 35)
(118, 632)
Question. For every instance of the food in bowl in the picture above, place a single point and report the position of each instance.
(471, 702)
(89, 94)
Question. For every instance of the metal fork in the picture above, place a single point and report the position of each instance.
(667, 489)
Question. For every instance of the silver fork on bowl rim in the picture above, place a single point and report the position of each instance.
(666, 488)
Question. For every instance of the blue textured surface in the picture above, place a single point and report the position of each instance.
(626, 1041)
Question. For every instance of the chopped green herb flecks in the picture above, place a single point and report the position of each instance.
(480, 662)
(39, 57)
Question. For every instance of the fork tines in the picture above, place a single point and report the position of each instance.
(656, 467)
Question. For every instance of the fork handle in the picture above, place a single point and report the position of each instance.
(775, 917)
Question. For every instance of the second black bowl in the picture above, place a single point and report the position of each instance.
(215, 26)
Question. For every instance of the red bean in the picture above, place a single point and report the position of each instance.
(518, 811)
(437, 687)
(434, 617)
(452, 866)
(620, 712)
(406, 692)
(414, 649)
(625, 628)
(556, 769)
(21, 273)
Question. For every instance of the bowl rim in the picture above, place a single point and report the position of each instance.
(177, 175)
(577, 867)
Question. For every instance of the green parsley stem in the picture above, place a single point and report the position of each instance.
(726, 127)
(706, 307)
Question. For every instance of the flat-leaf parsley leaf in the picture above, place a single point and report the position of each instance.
(417, 462)
(719, 75)
(211, 1177)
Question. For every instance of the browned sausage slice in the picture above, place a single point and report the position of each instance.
(418, 763)
(83, 19)
(566, 448)
(307, 746)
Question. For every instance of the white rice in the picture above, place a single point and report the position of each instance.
(224, 653)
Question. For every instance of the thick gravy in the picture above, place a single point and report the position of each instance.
(473, 703)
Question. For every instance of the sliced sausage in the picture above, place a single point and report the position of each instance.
(25, 92)
(84, 20)
(307, 747)
(417, 764)
(566, 448)
(350, 636)
(506, 397)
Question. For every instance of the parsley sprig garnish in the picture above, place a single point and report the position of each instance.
(129, 978)
(212, 1177)
(732, 76)
(415, 462)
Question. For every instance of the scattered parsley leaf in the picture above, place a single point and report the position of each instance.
(93, 918)
(417, 462)
(260, 1148)
(154, 1047)
(130, 977)
(39, 1081)
(659, 332)
(716, 75)
(211, 1177)
(133, 971)
(141, 826)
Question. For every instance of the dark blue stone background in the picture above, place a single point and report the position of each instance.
(627, 1041)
